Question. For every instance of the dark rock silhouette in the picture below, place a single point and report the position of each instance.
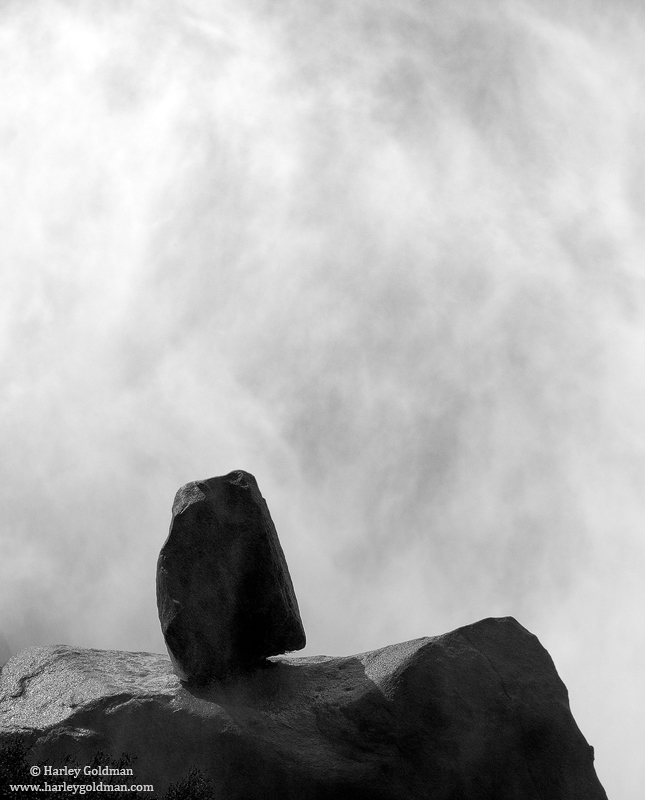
(476, 714)
(224, 593)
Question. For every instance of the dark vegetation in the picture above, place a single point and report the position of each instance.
(14, 770)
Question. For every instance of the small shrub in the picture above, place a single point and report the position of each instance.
(14, 769)
(13, 766)
(195, 786)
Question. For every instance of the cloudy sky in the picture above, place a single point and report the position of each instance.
(386, 255)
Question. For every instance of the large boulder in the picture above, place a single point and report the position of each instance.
(476, 714)
(224, 593)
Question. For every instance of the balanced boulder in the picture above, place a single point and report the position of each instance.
(224, 594)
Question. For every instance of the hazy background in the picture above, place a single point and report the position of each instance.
(388, 256)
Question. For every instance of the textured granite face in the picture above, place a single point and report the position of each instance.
(476, 714)
(224, 594)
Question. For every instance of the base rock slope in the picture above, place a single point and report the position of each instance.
(479, 713)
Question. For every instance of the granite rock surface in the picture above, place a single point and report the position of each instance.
(475, 714)
(224, 594)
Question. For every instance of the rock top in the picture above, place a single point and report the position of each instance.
(476, 714)
(224, 594)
